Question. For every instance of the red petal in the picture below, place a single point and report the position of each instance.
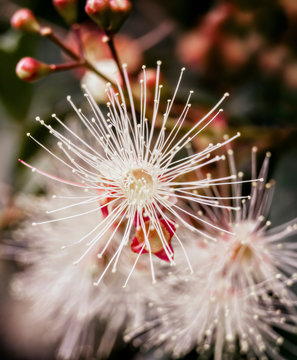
(136, 246)
(162, 254)
(169, 226)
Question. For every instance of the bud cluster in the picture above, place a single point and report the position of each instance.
(108, 14)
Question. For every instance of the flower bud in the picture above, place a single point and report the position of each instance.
(98, 10)
(108, 14)
(120, 9)
(68, 9)
(29, 69)
(25, 20)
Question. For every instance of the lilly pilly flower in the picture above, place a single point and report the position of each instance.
(133, 171)
(239, 298)
(59, 300)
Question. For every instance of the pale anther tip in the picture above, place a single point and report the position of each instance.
(124, 66)
(68, 97)
(53, 115)
(159, 62)
(226, 94)
(28, 134)
(143, 67)
(37, 118)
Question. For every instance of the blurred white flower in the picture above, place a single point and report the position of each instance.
(239, 297)
(96, 85)
(133, 173)
(59, 299)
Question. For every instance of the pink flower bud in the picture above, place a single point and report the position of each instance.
(120, 9)
(108, 14)
(98, 10)
(29, 69)
(67, 9)
(25, 20)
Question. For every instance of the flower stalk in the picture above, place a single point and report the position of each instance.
(48, 33)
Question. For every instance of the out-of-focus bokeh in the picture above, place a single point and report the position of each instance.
(245, 47)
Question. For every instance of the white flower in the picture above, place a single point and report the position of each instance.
(239, 297)
(59, 299)
(133, 173)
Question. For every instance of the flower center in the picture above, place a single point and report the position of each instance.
(138, 186)
(243, 253)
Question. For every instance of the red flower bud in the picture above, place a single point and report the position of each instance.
(98, 10)
(29, 69)
(25, 20)
(68, 9)
(108, 14)
(120, 9)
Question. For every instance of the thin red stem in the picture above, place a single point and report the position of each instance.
(47, 32)
(109, 39)
(66, 66)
